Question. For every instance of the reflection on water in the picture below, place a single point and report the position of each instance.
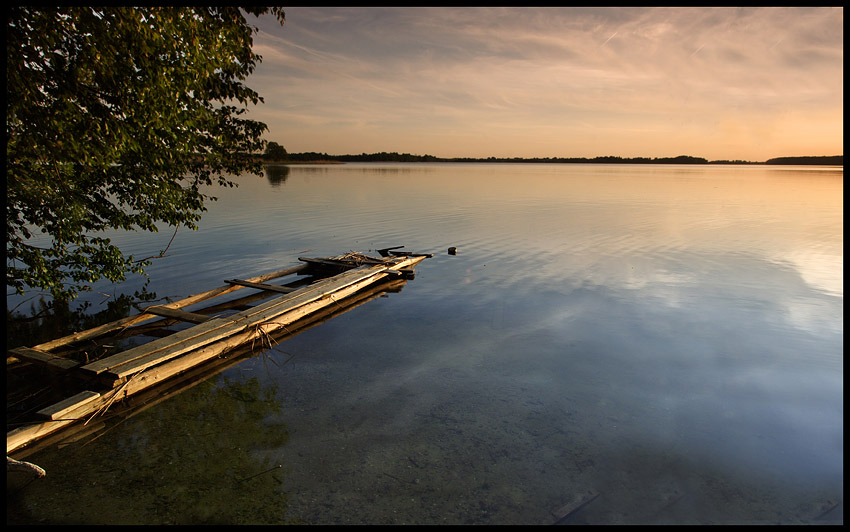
(210, 457)
(668, 336)
(276, 174)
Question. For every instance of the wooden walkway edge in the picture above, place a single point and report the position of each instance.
(121, 375)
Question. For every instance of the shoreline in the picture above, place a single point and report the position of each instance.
(287, 163)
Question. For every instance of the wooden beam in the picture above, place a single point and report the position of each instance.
(406, 273)
(153, 375)
(298, 305)
(262, 286)
(181, 338)
(21, 436)
(44, 358)
(61, 409)
(138, 318)
(341, 263)
(138, 358)
(17, 438)
(181, 315)
(268, 317)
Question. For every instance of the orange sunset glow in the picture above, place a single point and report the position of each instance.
(720, 83)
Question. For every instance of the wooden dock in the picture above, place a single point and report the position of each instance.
(321, 284)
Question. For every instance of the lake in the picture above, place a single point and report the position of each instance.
(668, 338)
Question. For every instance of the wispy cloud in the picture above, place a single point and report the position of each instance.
(485, 79)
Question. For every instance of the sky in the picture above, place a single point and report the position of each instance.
(721, 83)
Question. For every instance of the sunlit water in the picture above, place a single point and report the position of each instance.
(670, 337)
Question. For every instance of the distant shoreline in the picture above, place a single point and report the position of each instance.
(302, 162)
(323, 158)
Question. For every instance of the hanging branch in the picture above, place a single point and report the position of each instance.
(162, 252)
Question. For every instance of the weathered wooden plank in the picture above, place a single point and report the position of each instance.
(154, 375)
(17, 438)
(262, 286)
(62, 408)
(297, 305)
(104, 364)
(313, 291)
(406, 273)
(138, 358)
(342, 263)
(22, 436)
(42, 357)
(323, 289)
(410, 254)
(139, 318)
(181, 315)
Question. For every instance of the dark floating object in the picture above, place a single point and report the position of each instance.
(386, 252)
(452, 250)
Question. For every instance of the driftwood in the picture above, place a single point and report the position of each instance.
(578, 502)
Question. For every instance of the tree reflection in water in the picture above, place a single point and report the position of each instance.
(210, 457)
(276, 174)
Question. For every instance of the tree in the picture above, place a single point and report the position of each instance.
(275, 152)
(119, 118)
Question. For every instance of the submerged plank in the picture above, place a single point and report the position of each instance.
(43, 357)
(181, 315)
(578, 502)
(262, 286)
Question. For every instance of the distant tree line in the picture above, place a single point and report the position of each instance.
(607, 159)
(389, 157)
(826, 160)
(276, 153)
(395, 157)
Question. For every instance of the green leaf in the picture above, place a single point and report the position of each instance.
(109, 111)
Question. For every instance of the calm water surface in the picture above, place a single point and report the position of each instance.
(669, 337)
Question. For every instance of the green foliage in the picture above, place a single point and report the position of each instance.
(116, 118)
(275, 152)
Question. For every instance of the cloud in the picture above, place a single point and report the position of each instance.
(589, 70)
